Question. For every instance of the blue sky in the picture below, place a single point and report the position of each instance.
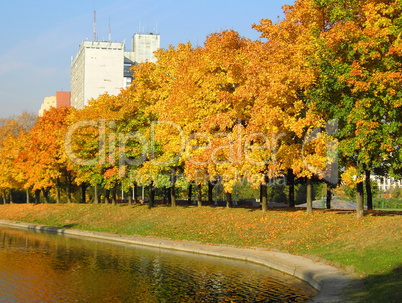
(39, 37)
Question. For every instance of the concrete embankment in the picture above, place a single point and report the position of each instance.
(330, 281)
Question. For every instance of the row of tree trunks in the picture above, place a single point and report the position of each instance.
(309, 193)
(111, 195)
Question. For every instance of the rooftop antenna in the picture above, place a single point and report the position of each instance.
(94, 37)
(110, 32)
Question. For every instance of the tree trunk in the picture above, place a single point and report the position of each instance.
(369, 193)
(309, 198)
(264, 196)
(172, 192)
(27, 196)
(199, 195)
(96, 194)
(113, 193)
(107, 196)
(83, 193)
(151, 195)
(3, 196)
(291, 183)
(190, 191)
(10, 196)
(6, 197)
(173, 188)
(169, 195)
(229, 202)
(46, 195)
(210, 192)
(68, 192)
(37, 196)
(57, 188)
(359, 200)
(135, 197)
(329, 196)
(130, 199)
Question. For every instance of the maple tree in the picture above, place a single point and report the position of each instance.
(42, 161)
(197, 108)
(208, 104)
(359, 84)
(166, 132)
(144, 157)
(9, 178)
(282, 112)
(13, 134)
(92, 145)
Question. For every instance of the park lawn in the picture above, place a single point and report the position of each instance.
(371, 246)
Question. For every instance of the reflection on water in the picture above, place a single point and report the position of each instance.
(37, 267)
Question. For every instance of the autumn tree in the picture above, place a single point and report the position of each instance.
(91, 145)
(11, 177)
(145, 164)
(204, 103)
(42, 161)
(13, 134)
(359, 64)
(290, 143)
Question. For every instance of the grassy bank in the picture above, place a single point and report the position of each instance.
(370, 246)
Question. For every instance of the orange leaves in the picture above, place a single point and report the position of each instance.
(45, 162)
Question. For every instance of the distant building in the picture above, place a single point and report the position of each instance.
(98, 68)
(62, 99)
(144, 46)
(386, 183)
(48, 103)
(104, 67)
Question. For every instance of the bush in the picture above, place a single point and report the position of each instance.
(382, 203)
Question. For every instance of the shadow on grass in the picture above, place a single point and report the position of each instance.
(222, 204)
(382, 213)
(385, 288)
(185, 204)
(67, 226)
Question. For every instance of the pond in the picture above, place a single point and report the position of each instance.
(40, 267)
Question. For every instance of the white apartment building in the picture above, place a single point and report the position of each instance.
(144, 46)
(386, 183)
(104, 67)
(97, 69)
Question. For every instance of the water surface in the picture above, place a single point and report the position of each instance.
(39, 267)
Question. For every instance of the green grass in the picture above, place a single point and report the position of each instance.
(370, 246)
